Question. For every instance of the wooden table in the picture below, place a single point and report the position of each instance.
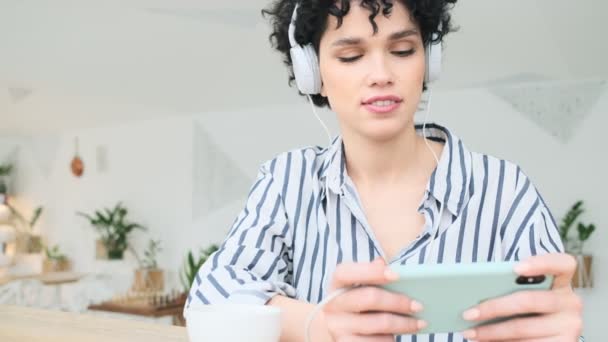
(51, 278)
(20, 324)
(174, 308)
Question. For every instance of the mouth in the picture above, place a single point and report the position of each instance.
(382, 104)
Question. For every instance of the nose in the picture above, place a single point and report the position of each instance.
(380, 74)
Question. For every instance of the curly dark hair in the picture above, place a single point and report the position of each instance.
(431, 16)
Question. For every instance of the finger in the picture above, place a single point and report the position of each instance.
(521, 328)
(372, 273)
(374, 324)
(371, 298)
(375, 338)
(523, 302)
(561, 265)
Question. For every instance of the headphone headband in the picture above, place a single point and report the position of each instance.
(292, 27)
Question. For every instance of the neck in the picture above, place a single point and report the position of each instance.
(386, 162)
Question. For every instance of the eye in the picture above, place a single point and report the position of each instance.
(349, 59)
(404, 53)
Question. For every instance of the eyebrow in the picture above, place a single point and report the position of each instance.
(355, 41)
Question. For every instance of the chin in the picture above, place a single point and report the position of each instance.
(383, 132)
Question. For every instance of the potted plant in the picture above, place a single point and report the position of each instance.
(28, 242)
(149, 277)
(113, 228)
(55, 260)
(574, 242)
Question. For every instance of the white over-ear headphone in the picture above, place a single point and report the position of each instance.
(306, 63)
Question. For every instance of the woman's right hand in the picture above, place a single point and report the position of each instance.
(369, 313)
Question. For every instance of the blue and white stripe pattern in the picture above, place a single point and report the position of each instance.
(303, 218)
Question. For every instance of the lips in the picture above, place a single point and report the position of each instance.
(382, 104)
(382, 98)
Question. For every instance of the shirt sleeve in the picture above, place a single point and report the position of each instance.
(529, 227)
(252, 264)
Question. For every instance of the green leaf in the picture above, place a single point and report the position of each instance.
(88, 217)
(575, 211)
(102, 219)
(36, 216)
(5, 170)
(584, 232)
(191, 262)
(110, 215)
(133, 226)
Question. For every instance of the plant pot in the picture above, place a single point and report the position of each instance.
(149, 280)
(583, 276)
(56, 265)
(27, 264)
(28, 243)
(101, 253)
(7, 245)
(115, 254)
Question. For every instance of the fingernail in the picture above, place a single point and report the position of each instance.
(522, 267)
(389, 274)
(416, 307)
(469, 334)
(421, 325)
(471, 314)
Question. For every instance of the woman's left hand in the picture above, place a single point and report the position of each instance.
(559, 309)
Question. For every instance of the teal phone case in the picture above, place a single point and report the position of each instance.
(447, 290)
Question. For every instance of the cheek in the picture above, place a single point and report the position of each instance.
(327, 80)
(338, 84)
(415, 69)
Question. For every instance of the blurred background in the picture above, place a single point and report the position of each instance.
(162, 111)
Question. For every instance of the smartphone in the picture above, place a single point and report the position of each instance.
(447, 290)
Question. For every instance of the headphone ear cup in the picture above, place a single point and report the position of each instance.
(433, 62)
(306, 69)
(314, 67)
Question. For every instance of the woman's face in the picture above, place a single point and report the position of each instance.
(358, 66)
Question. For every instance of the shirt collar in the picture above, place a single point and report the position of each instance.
(449, 183)
(333, 172)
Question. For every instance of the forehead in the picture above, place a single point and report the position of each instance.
(357, 23)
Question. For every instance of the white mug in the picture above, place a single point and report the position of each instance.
(233, 322)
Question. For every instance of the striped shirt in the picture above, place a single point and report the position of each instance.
(303, 217)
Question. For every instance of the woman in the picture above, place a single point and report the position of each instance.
(321, 219)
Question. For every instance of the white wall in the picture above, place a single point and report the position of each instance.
(150, 169)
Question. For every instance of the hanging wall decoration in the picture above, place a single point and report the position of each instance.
(217, 179)
(77, 164)
(557, 107)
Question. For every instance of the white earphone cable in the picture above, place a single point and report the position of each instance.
(426, 141)
(314, 110)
